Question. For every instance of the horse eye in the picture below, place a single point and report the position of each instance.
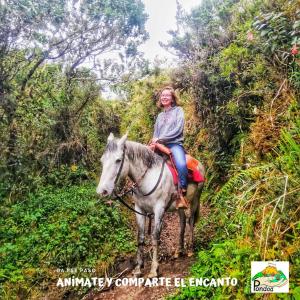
(118, 160)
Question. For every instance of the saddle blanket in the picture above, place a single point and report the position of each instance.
(194, 175)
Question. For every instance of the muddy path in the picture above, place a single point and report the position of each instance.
(176, 269)
(169, 267)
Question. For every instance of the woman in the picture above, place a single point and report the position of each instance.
(168, 130)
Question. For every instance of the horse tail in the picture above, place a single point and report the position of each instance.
(197, 211)
(201, 169)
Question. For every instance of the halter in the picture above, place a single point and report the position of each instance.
(121, 167)
(133, 188)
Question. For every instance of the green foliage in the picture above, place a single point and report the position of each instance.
(278, 30)
(239, 180)
(290, 149)
(244, 83)
(254, 218)
(294, 76)
(53, 128)
(140, 114)
(231, 258)
(58, 228)
(226, 66)
(257, 207)
(226, 75)
(236, 78)
(231, 58)
(50, 108)
(53, 132)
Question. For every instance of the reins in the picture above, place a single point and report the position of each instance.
(158, 181)
(135, 186)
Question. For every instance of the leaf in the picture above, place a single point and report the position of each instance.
(256, 23)
(262, 26)
(296, 292)
(277, 16)
(296, 24)
(264, 32)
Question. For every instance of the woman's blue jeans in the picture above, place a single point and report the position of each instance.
(180, 162)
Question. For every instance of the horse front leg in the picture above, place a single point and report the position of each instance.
(141, 240)
(158, 218)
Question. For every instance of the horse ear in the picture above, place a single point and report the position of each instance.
(123, 139)
(110, 137)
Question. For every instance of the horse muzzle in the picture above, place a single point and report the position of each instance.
(104, 191)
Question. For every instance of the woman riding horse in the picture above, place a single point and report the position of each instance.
(154, 184)
(168, 130)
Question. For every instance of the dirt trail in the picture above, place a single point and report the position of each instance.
(178, 268)
(169, 267)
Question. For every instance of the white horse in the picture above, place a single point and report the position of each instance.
(154, 193)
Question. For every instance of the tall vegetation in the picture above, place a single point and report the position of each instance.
(229, 53)
(240, 61)
(238, 81)
(53, 126)
(46, 96)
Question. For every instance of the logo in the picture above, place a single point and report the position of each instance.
(269, 276)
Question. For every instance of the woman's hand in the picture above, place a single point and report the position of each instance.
(154, 140)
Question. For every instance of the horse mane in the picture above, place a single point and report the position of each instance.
(136, 151)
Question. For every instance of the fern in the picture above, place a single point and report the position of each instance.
(237, 181)
(290, 148)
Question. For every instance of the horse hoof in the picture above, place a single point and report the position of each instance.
(137, 273)
(152, 275)
(190, 254)
(178, 254)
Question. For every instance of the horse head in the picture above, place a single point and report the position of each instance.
(114, 165)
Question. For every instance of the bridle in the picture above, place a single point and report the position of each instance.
(120, 169)
(135, 186)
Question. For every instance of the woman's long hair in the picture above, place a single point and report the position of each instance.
(175, 99)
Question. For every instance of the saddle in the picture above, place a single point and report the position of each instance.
(194, 174)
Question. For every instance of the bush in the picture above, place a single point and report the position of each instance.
(58, 228)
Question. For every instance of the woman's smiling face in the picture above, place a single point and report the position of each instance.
(166, 98)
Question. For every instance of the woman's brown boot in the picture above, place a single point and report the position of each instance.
(181, 201)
